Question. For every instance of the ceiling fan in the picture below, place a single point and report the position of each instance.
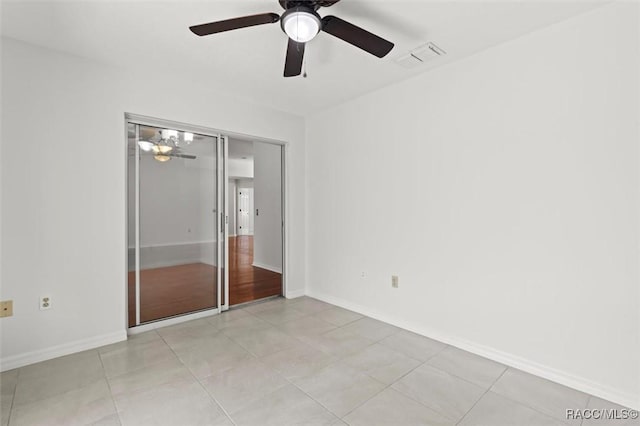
(301, 22)
(166, 144)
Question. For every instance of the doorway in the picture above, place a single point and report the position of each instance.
(256, 246)
(185, 255)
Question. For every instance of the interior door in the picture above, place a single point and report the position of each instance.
(245, 211)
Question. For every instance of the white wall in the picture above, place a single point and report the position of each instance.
(177, 210)
(267, 196)
(240, 167)
(244, 183)
(64, 191)
(176, 200)
(504, 191)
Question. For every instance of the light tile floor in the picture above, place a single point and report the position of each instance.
(283, 362)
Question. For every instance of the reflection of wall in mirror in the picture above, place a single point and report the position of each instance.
(177, 211)
(267, 184)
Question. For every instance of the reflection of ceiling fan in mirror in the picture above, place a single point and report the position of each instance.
(165, 144)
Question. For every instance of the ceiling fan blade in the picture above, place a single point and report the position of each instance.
(234, 24)
(327, 3)
(188, 156)
(356, 36)
(295, 55)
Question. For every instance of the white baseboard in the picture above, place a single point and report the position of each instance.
(20, 360)
(267, 267)
(295, 293)
(579, 383)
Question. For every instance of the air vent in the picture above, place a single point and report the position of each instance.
(427, 52)
(408, 61)
(420, 55)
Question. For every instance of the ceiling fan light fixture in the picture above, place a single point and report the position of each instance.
(161, 149)
(301, 24)
(161, 158)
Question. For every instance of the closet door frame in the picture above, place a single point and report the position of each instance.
(222, 222)
(138, 120)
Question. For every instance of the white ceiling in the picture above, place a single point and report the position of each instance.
(249, 62)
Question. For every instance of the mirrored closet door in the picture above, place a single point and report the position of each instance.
(176, 222)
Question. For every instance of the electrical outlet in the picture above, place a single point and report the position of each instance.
(6, 308)
(394, 281)
(363, 275)
(45, 303)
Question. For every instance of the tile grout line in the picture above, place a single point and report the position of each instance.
(13, 397)
(488, 390)
(334, 362)
(57, 394)
(197, 380)
(481, 396)
(460, 377)
(531, 408)
(588, 401)
(339, 359)
(431, 366)
(278, 372)
(399, 378)
(135, 370)
(224, 410)
(106, 379)
(385, 388)
(311, 397)
(452, 374)
(256, 357)
(524, 404)
(421, 363)
(306, 344)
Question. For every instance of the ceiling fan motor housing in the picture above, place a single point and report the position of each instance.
(314, 4)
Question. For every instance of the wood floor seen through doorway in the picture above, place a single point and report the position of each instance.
(176, 290)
